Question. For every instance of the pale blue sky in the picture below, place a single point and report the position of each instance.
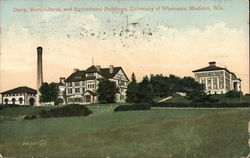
(233, 14)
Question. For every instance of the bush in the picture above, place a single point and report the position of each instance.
(30, 117)
(234, 94)
(132, 107)
(66, 111)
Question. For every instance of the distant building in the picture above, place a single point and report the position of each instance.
(62, 92)
(20, 95)
(81, 85)
(217, 80)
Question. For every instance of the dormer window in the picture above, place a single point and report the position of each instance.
(77, 83)
(70, 84)
(78, 77)
(90, 74)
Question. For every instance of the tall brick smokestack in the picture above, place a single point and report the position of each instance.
(39, 67)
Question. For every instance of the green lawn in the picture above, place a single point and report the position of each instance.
(155, 133)
(220, 98)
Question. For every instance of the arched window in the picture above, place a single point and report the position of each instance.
(6, 101)
(20, 100)
(13, 100)
(32, 101)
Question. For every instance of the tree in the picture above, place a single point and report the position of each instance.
(145, 91)
(132, 90)
(106, 91)
(160, 85)
(49, 92)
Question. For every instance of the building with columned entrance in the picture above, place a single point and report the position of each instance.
(217, 80)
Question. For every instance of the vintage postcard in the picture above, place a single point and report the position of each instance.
(124, 79)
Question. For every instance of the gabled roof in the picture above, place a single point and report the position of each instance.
(60, 84)
(22, 89)
(91, 69)
(76, 76)
(104, 72)
(90, 92)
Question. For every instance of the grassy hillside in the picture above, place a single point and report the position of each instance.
(154, 133)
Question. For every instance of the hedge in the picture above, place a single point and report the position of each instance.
(2, 106)
(203, 105)
(132, 107)
(66, 111)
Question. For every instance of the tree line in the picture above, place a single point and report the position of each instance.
(162, 86)
(151, 87)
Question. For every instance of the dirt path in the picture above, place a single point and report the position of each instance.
(164, 99)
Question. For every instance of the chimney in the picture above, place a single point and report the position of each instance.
(111, 69)
(62, 80)
(39, 67)
(98, 67)
(75, 70)
(212, 63)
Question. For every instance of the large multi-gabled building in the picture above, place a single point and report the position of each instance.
(81, 85)
(217, 80)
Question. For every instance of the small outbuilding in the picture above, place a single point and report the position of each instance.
(20, 96)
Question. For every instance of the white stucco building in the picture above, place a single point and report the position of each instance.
(217, 80)
(20, 95)
(81, 85)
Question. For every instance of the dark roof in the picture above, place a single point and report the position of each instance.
(211, 68)
(76, 76)
(60, 84)
(91, 69)
(23, 89)
(104, 72)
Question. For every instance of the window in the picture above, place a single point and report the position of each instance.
(13, 101)
(6, 101)
(78, 99)
(83, 89)
(215, 83)
(122, 97)
(77, 90)
(90, 74)
(70, 84)
(77, 83)
(21, 100)
(121, 83)
(221, 86)
(78, 77)
(90, 86)
(203, 81)
(209, 86)
(70, 91)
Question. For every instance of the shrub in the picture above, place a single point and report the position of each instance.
(132, 107)
(66, 111)
(32, 117)
(234, 94)
(27, 117)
